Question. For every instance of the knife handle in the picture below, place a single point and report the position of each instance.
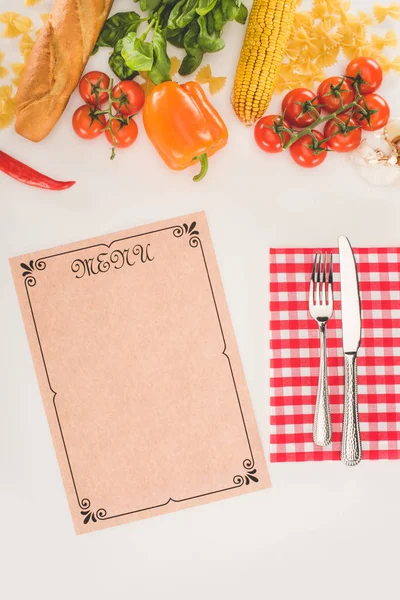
(351, 441)
(322, 430)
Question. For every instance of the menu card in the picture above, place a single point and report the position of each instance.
(140, 373)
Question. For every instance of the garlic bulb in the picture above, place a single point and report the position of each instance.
(378, 160)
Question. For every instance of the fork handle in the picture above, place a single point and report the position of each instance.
(322, 431)
(351, 441)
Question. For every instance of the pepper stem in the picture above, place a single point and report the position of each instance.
(203, 160)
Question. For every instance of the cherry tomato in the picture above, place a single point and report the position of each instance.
(86, 124)
(125, 134)
(304, 155)
(367, 69)
(330, 91)
(267, 139)
(91, 84)
(131, 98)
(292, 109)
(379, 118)
(342, 142)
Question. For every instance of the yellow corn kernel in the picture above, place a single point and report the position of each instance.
(263, 50)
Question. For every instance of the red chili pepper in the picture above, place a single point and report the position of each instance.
(16, 169)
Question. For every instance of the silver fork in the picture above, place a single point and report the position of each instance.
(320, 303)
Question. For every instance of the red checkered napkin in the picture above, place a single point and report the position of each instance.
(295, 356)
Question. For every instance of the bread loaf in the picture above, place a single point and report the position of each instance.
(55, 64)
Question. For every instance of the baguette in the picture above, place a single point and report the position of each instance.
(56, 63)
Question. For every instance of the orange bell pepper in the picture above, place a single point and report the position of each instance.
(183, 126)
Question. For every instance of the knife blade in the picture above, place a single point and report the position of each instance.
(351, 451)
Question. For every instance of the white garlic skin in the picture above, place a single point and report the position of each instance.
(371, 167)
(392, 131)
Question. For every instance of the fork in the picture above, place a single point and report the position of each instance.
(320, 303)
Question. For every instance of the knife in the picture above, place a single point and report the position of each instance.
(351, 333)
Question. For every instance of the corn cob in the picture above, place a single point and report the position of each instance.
(263, 50)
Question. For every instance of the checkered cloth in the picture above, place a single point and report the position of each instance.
(295, 356)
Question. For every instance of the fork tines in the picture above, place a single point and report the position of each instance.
(322, 273)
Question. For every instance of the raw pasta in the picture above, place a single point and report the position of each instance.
(322, 33)
(381, 12)
(15, 24)
(3, 70)
(18, 69)
(175, 64)
(205, 76)
(7, 107)
(25, 45)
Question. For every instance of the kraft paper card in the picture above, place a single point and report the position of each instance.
(140, 373)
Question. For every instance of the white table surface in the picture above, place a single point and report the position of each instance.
(324, 530)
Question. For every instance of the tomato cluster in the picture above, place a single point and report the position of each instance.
(344, 106)
(124, 100)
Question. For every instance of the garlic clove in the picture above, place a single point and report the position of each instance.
(375, 166)
(392, 131)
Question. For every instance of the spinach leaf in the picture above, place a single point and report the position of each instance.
(230, 8)
(187, 14)
(219, 18)
(191, 62)
(138, 55)
(149, 4)
(205, 6)
(175, 14)
(118, 64)
(117, 27)
(161, 65)
(194, 25)
(177, 38)
(241, 17)
(163, 18)
(194, 54)
(209, 39)
(190, 40)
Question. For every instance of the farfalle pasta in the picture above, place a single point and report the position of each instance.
(7, 106)
(389, 65)
(382, 12)
(328, 58)
(18, 69)
(175, 64)
(329, 28)
(379, 42)
(205, 76)
(15, 24)
(3, 70)
(26, 45)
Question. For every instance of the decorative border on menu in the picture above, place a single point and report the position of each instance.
(102, 263)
